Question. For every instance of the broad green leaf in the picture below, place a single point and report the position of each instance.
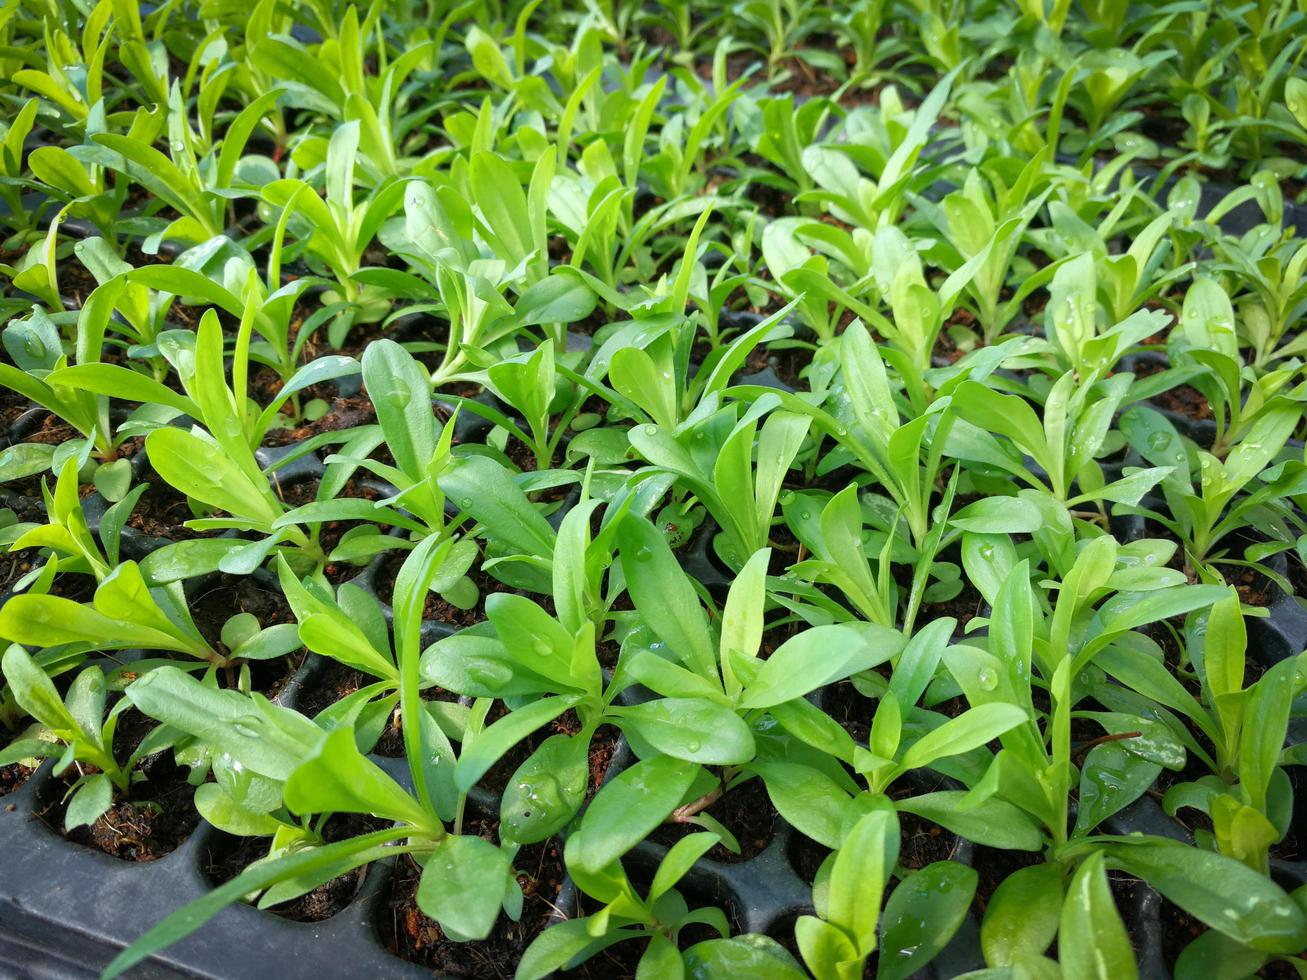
(463, 885)
(1092, 941)
(628, 808)
(693, 729)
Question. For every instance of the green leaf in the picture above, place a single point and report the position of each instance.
(401, 393)
(693, 729)
(993, 823)
(678, 861)
(35, 692)
(1022, 917)
(47, 621)
(1092, 941)
(628, 808)
(336, 778)
(922, 915)
(555, 299)
(858, 875)
(564, 942)
(264, 738)
(546, 791)
(971, 729)
(808, 799)
(113, 480)
(817, 657)
(486, 490)
(227, 815)
(463, 885)
(1227, 895)
(663, 593)
(93, 796)
(750, 955)
(201, 470)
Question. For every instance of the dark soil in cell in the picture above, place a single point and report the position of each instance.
(745, 810)
(923, 842)
(53, 432)
(155, 818)
(788, 363)
(226, 856)
(13, 406)
(1184, 400)
(946, 351)
(844, 704)
(228, 595)
(408, 932)
(13, 777)
(1254, 588)
(964, 607)
(993, 866)
(161, 511)
(344, 413)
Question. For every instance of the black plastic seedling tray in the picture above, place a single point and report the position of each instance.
(66, 910)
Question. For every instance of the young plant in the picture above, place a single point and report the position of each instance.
(986, 218)
(218, 467)
(656, 918)
(466, 880)
(713, 456)
(37, 349)
(864, 423)
(1034, 772)
(336, 229)
(75, 730)
(923, 912)
(67, 535)
(1247, 796)
(420, 449)
(1209, 499)
(1064, 444)
(1236, 396)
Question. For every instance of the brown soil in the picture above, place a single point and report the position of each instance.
(746, 811)
(13, 777)
(157, 817)
(788, 363)
(1254, 588)
(1184, 400)
(344, 413)
(408, 932)
(964, 607)
(843, 703)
